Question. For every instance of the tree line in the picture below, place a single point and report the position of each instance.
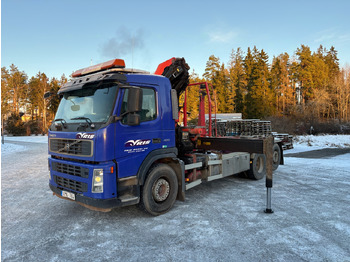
(24, 98)
(306, 83)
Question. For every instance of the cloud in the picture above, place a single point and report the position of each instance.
(122, 43)
(332, 35)
(344, 37)
(325, 37)
(222, 36)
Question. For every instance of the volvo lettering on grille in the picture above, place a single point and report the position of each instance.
(76, 147)
(67, 146)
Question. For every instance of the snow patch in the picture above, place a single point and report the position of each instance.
(30, 139)
(7, 149)
(340, 141)
(310, 142)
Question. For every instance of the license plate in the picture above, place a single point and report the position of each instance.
(68, 195)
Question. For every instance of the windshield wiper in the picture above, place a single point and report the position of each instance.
(63, 122)
(88, 120)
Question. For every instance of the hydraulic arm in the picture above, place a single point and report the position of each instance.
(176, 69)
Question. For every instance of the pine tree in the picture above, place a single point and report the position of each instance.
(38, 86)
(263, 83)
(237, 80)
(276, 82)
(332, 61)
(249, 67)
(5, 94)
(54, 100)
(14, 83)
(304, 70)
(193, 96)
(212, 68)
(281, 84)
(215, 74)
(222, 90)
(259, 99)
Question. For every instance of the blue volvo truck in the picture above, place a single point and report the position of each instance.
(116, 141)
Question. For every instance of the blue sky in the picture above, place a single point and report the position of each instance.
(60, 36)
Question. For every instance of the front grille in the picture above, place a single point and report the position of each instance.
(70, 169)
(71, 184)
(74, 147)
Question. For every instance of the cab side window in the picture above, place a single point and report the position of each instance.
(149, 105)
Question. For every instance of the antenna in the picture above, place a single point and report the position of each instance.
(132, 54)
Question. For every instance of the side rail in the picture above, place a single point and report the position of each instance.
(216, 166)
(255, 147)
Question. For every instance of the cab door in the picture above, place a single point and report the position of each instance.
(134, 143)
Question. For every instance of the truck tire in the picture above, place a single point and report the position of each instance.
(276, 157)
(257, 167)
(159, 192)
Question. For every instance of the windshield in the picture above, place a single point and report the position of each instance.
(94, 103)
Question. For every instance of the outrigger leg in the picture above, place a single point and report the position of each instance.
(268, 145)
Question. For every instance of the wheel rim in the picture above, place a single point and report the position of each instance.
(160, 190)
(260, 164)
(275, 157)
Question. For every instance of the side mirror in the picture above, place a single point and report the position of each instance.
(174, 104)
(134, 100)
(133, 119)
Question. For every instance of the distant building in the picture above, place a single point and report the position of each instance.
(227, 116)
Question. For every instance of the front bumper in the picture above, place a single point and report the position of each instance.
(104, 205)
(76, 178)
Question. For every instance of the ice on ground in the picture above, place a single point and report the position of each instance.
(333, 163)
(31, 139)
(10, 148)
(219, 221)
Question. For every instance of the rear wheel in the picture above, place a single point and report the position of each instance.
(276, 157)
(160, 190)
(257, 167)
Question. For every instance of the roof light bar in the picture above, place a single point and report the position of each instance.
(119, 63)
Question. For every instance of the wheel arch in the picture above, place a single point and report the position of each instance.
(167, 156)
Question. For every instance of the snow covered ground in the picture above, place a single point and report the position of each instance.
(9, 148)
(220, 221)
(309, 142)
(31, 139)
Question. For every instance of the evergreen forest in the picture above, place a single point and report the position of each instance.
(308, 87)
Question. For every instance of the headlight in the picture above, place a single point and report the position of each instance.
(97, 181)
(49, 167)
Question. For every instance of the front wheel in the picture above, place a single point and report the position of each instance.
(160, 190)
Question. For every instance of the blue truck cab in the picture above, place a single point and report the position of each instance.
(111, 127)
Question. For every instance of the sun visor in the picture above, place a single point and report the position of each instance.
(79, 83)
